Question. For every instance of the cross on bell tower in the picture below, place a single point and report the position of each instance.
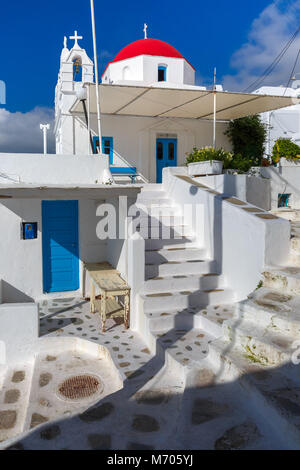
(76, 37)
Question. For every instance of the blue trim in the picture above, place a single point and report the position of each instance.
(162, 67)
(165, 161)
(60, 246)
(108, 149)
(123, 170)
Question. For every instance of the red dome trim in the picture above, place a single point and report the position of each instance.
(154, 47)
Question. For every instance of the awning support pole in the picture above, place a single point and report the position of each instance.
(96, 76)
(215, 109)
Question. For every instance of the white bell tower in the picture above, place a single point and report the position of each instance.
(76, 68)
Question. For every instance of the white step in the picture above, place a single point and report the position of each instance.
(179, 268)
(165, 232)
(174, 254)
(159, 302)
(161, 244)
(274, 310)
(161, 220)
(183, 282)
(264, 346)
(285, 279)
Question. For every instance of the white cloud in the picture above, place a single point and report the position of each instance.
(20, 132)
(268, 35)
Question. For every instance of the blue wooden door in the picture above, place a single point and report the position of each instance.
(60, 246)
(166, 155)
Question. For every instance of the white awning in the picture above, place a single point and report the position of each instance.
(152, 101)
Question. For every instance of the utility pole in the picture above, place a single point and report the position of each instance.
(45, 128)
(96, 75)
(215, 107)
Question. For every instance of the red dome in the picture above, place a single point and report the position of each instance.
(147, 47)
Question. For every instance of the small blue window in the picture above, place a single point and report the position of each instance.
(162, 73)
(283, 200)
(29, 230)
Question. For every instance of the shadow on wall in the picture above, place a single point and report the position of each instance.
(11, 294)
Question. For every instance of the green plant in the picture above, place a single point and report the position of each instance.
(285, 148)
(209, 154)
(247, 136)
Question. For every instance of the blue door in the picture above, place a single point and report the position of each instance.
(166, 155)
(60, 246)
(107, 147)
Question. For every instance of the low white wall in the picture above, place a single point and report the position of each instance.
(19, 328)
(241, 242)
(253, 189)
(52, 169)
(284, 179)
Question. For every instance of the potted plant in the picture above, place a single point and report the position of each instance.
(207, 161)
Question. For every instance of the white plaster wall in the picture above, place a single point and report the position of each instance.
(21, 260)
(283, 180)
(53, 169)
(144, 69)
(135, 138)
(241, 243)
(255, 190)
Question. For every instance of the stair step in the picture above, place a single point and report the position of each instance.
(160, 220)
(181, 300)
(183, 282)
(182, 348)
(270, 392)
(285, 279)
(261, 344)
(165, 232)
(179, 268)
(161, 244)
(210, 318)
(174, 254)
(269, 308)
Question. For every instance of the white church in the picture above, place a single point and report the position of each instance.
(202, 270)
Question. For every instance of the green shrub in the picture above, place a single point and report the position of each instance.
(210, 153)
(247, 136)
(285, 148)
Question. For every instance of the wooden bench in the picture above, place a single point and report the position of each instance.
(129, 171)
(111, 285)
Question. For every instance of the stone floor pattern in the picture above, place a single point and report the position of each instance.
(171, 400)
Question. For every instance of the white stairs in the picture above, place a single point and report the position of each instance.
(180, 278)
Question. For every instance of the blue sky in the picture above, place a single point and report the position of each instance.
(240, 38)
(31, 37)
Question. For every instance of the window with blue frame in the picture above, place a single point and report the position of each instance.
(162, 73)
(283, 200)
(107, 147)
(77, 70)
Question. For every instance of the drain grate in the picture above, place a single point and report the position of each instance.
(80, 386)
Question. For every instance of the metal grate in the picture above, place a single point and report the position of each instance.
(80, 386)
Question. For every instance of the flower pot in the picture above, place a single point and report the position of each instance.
(208, 167)
(289, 162)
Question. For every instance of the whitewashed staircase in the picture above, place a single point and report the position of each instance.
(180, 278)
